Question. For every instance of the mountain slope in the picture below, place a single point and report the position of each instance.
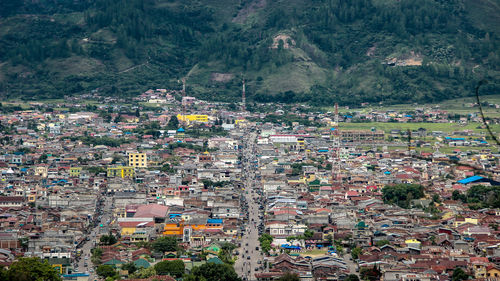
(317, 51)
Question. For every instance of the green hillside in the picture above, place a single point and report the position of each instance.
(315, 51)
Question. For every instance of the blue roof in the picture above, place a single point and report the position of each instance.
(455, 139)
(214, 221)
(332, 129)
(76, 275)
(180, 130)
(285, 246)
(470, 179)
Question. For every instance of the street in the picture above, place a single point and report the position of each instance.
(250, 259)
(84, 263)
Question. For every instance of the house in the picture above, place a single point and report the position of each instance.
(11, 201)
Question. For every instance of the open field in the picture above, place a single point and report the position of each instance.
(458, 106)
(314, 252)
(445, 127)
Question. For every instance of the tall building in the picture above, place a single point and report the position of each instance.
(138, 160)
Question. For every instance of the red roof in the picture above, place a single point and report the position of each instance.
(352, 193)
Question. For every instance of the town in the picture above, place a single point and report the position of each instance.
(169, 187)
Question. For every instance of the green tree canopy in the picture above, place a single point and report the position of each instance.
(32, 269)
(352, 277)
(165, 244)
(213, 272)
(130, 267)
(109, 239)
(173, 123)
(105, 271)
(459, 275)
(173, 268)
(265, 242)
(356, 252)
(402, 194)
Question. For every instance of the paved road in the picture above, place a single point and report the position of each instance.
(250, 258)
(84, 264)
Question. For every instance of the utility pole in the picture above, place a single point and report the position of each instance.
(336, 177)
(243, 98)
(183, 100)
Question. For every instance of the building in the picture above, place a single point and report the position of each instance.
(361, 135)
(138, 160)
(11, 201)
(75, 171)
(121, 171)
(192, 118)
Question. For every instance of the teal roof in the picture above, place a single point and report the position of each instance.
(215, 260)
(142, 263)
(114, 262)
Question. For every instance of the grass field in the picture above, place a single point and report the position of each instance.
(458, 106)
(445, 127)
(315, 252)
(444, 149)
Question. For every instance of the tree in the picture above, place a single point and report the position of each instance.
(352, 277)
(109, 239)
(265, 242)
(130, 267)
(144, 273)
(459, 275)
(173, 123)
(226, 252)
(356, 252)
(402, 194)
(173, 268)
(165, 244)
(27, 269)
(105, 271)
(119, 118)
(289, 277)
(381, 243)
(370, 274)
(96, 256)
(213, 272)
(308, 234)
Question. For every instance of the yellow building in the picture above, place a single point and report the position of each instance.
(121, 171)
(173, 228)
(413, 243)
(75, 171)
(31, 198)
(138, 160)
(459, 222)
(492, 272)
(41, 171)
(192, 118)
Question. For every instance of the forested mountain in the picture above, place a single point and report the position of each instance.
(315, 51)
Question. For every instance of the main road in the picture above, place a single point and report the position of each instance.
(104, 217)
(250, 258)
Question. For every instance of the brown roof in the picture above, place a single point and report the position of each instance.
(11, 199)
